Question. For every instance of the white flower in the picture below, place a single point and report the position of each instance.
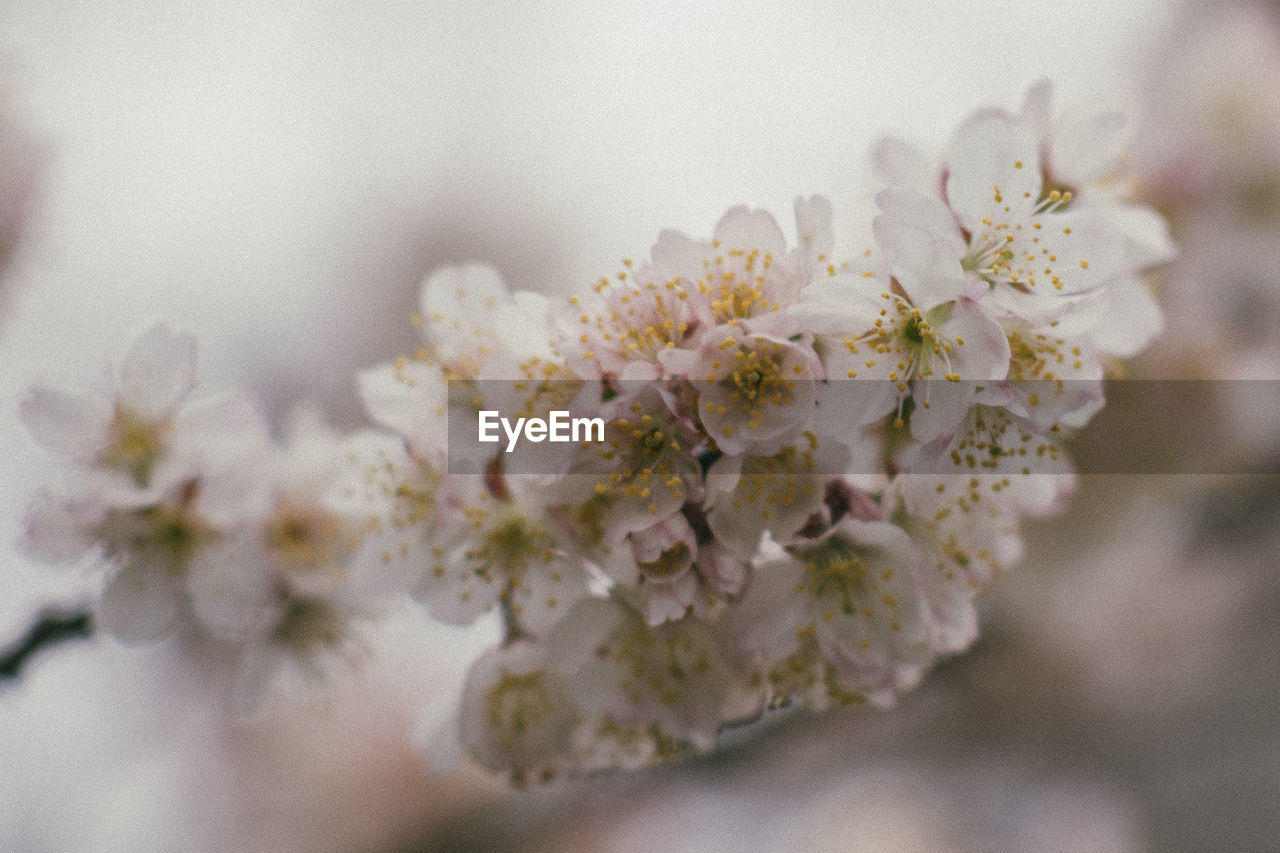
(840, 619)
(320, 507)
(516, 715)
(156, 480)
(746, 270)
(778, 494)
(412, 398)
(642, 473)
(628, 328)
(476, 332)
(125, 429)
(756, 392)
(1034, 251)
(665, 686)
(476, 329)
(1056, 380)
(664, 554)
(892, 345)
(307, 642)
(499, 553)
(1083, 153)
(155, 549)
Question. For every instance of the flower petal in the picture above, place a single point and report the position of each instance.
(995, 172)
(742, 228)
(73, 423)
(158, 372)
(139, 604)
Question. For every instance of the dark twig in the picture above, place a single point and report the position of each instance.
(53, 625)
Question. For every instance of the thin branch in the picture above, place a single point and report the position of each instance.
(52, 626)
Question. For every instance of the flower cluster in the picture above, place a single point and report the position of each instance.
(806, 469)
(204, 523)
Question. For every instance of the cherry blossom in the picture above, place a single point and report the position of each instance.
(803, 467)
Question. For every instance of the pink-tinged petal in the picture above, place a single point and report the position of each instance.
(724, 572)
(158, 373)
(677, 255)
(646, 371)
(678, 363)
(852, 403)
(814, 233)
(667, 602)
(985, 351)
(995, 172)
(839, 305)
(1037, 108)
(928, 270)
(649, 544)
(52, 532)
(948, 403)
(949, 598)
(919, 211)
(900, 164)
(742, 228)
(70, 422)
(1085, 150)
(140, 603)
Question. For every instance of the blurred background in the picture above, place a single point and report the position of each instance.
(277, 178)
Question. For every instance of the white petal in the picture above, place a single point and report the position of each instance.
(667, 602)
(838, 305)
(71, 422)
(524, 326)
(985, 158)
(230, 588)
(677, 255)
(1037, 108)
(1084, 151)
(457, 303)
(457, 597)
(949, 402)
(139, 604)
(220, 428)
(813, 226)
(1145, 234)
(158, 372)
(53, 533)
(854, 403)
(921, 211)
(742, 228)
(1133, 321)
(410, 398)
(985, 351)
(547, 592)
(899, 163)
